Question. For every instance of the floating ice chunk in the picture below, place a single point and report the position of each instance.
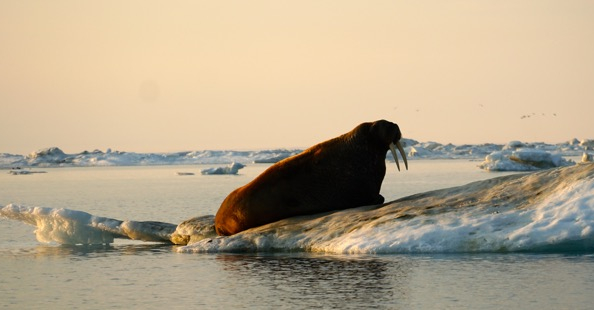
(537, 158)
(233, 168)
(63, 226)
(523, 160)
(23, 172)
(66, 226)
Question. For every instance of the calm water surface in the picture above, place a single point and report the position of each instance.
(135, 275)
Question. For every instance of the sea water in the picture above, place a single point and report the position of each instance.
(131, 274)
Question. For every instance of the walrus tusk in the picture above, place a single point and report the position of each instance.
(402, 153)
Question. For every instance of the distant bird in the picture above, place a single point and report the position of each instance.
(535, 114)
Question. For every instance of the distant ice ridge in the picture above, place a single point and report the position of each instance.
(551, 210)
(55, 157)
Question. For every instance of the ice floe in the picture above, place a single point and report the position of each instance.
(523, 160)
(550, 210)
(24, 172)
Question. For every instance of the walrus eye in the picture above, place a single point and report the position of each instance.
(401, 150)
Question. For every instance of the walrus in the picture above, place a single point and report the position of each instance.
(341, 173)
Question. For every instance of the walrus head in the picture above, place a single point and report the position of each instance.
(389, 135)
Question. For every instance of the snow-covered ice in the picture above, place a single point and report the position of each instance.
(232, 168)
(523, 160)
(550, 210)
(55, 157)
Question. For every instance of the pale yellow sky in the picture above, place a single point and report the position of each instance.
(151, 76)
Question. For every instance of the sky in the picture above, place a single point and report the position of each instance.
(166, 76)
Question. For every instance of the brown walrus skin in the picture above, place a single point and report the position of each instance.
(341, 173)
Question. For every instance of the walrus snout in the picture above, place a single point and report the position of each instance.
(402, 153)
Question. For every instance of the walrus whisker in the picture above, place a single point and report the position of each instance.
(402, 153)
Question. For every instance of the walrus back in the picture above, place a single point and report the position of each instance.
(296, 186)
(270, 197)
(341, 173)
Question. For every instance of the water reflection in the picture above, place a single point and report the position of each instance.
(87, 251)
(307, 280)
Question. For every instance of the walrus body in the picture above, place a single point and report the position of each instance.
(341, 173)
